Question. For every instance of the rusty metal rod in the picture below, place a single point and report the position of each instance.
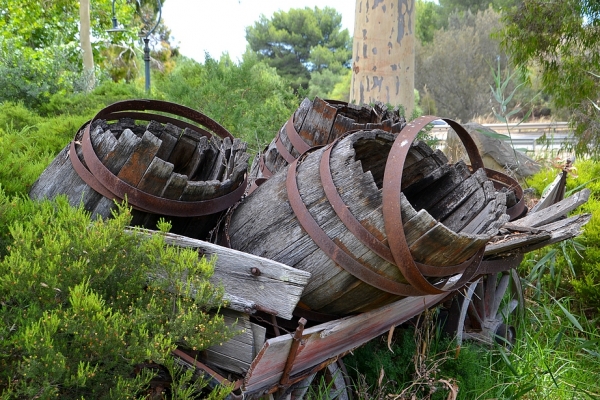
(289, 363)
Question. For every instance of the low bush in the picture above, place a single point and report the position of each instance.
(84, 305)
(576, 260)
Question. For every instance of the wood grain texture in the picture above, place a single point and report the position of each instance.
(277, 287)
(265, 224)
(329, 340)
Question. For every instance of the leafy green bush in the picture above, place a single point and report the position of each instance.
(26, 152)
(577, 260)
(32, 76)
(88, 104)
(16, 116)
(420, 363)
(249, 99)
(83, 304)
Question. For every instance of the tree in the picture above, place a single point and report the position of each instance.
(562, 40)
(456, 67)
(86, 44)
(383, 53)
(300, 42)
(427, 20)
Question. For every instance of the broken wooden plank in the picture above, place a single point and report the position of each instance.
(555, 211)
(236, 354)
(542, 236)
(270, 285)
(326, 341)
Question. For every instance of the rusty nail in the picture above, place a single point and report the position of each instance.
(255, 271)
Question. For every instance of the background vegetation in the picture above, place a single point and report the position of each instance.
(69, 294)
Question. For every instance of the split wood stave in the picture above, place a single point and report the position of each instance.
(448, 215)
(320, 122)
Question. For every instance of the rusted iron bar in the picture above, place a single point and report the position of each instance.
(293, 352)
(205, 368)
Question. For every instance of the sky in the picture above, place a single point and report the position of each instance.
(219, 26)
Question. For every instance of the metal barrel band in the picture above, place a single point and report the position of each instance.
(162, 106)
(82, 170)
(300, 145)
(150, 203)
(392, 215)
(333, 251)
(362, 234)
(285, 153)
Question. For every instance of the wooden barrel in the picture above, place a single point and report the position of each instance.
(317, 123)
(373, 218)
(165, 159)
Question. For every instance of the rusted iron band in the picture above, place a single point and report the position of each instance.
(361, 233)
(283, 152)
(392, 214)
(334, 252)
(267, 173)
(147, 202)
(201, 366)
(87, 176)
(158, 118)
(300, 145)
(162, 106)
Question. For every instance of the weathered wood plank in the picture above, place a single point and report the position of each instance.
(273, 285)
(543, 236)
(318, 122)
(551, 194)
(236, 354)
(443, 186)
(555, 211)
(329, 340)
(139, 161)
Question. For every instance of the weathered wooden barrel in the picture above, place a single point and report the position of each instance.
(316, 123)
(373, 217)
(165, 159)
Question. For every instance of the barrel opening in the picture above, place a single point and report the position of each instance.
(372, 155)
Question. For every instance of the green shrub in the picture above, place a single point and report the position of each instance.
(83, 304)
(421, 363)
(15, 116)
(576, 261)
(88, 104)
(26, 152)
(249, 99)
(31, 75)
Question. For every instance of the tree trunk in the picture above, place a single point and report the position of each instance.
(86, 44)
(384, 53)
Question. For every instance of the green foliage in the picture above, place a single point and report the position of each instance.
(323, 82)
(455, 66)
(561, 40)
(249, 99)
(301, 41)
(428, 368)
(427, 20)
(31, 76)
(555, 356)
(88, 104)
(573, 267)
(16, 116)
(82, 305)
(26, 151)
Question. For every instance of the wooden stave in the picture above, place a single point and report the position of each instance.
(101, 206)
(311, 256)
